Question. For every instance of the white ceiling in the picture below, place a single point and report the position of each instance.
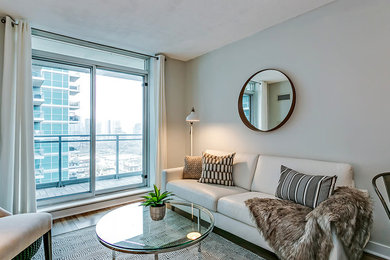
(182, 29)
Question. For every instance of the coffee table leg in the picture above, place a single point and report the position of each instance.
(113, 255)
(199, 247)
(155, 256)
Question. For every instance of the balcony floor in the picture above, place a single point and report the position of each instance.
(84, 187)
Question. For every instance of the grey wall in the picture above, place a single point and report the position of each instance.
(175, 86)
(338, 58)
(278, 109)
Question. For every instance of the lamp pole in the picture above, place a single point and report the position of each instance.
(191, 118)
(192, 123)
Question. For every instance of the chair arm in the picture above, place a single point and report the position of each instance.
(17, 232)
(4, 213)
(168, 175)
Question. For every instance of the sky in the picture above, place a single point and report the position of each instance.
(117, 98)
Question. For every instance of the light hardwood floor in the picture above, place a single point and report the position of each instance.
(84, 220)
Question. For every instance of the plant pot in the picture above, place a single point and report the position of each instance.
(157, 213)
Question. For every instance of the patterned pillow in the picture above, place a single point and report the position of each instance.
(307, 190)
(217, 169)
(192, 167)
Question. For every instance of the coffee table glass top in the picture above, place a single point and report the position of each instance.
(130, 228)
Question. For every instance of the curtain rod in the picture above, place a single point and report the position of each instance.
(56, 36)
(14, 22)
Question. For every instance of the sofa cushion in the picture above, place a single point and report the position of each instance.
(268, 171)
(244, 166)
(203, 194)
(234, 206)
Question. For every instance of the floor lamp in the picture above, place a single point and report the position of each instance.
(191, 118)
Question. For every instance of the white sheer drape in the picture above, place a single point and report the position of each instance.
(17, 180)
(158, 120)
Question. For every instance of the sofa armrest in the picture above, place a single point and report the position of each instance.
(168, 175)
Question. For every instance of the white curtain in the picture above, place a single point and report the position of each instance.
(17, 180)
(158, 123)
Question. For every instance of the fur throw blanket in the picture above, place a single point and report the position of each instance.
(297, 232)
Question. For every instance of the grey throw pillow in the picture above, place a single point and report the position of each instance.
(192, 167)
(217, 169)
(307, 190)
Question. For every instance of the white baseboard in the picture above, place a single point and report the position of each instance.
(378, 249)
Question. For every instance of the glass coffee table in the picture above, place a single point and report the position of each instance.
(130, 229)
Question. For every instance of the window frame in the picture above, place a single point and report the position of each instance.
(43, 56)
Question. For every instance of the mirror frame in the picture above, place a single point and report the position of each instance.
(241, 111)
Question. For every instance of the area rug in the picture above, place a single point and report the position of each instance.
(82, 244)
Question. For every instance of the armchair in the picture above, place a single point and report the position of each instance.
(18, 232)
(386, 180)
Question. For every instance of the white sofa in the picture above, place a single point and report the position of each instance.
(254, 176)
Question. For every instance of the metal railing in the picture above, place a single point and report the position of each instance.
(37, 78)
(61, 139)
(74, 118)
(74, 104)
(74, 86)
(38, 116)
(37, 94)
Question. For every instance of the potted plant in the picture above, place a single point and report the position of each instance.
(156, 202)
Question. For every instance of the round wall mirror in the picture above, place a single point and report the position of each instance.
(266, 100)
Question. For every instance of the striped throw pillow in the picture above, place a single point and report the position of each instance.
(217, 169)
(307, 190)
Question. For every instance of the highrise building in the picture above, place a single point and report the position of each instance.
(56, 106)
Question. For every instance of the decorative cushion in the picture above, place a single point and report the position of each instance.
(307, 190)
(192, 167)
(244, 167)
(217, 169)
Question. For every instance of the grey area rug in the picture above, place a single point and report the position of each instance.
(82, 244)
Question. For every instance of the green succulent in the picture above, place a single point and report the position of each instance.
(156, 198)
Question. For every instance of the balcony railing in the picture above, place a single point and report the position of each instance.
(39, 154)
(38, 116)
(74, 88)
(38, 98)
(74, 105)
(37, 78)
(38, 132)
(39, 173)
(73, 76)
(60, 140)
(74, 119)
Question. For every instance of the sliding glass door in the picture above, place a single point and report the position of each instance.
(89, 129)
(119, 129)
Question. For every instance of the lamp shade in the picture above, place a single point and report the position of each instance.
(193, 116)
